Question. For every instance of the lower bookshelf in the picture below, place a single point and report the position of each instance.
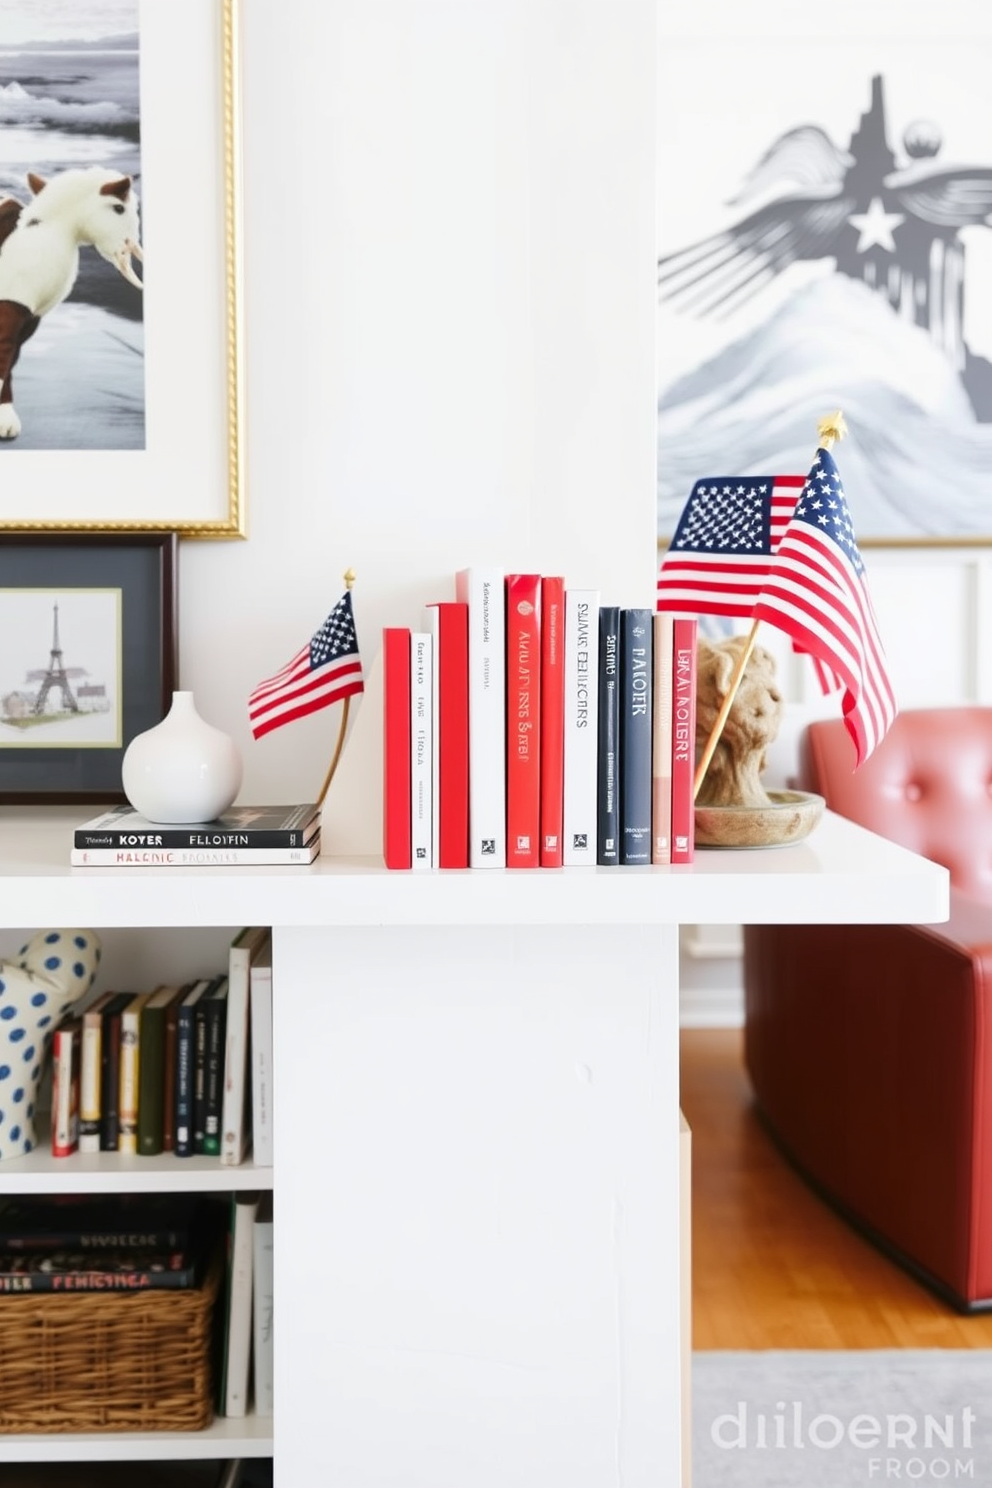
(477, 1077)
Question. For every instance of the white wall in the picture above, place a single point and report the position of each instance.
(450, 260)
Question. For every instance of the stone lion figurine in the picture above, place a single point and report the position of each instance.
(732, 778)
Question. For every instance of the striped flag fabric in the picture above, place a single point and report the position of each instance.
(816, 592)
(325, 670)
(722, 549)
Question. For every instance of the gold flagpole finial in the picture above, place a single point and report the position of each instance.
(831, 429)
(349, 577)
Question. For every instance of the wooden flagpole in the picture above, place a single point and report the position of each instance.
(349, 579)
(829, 429)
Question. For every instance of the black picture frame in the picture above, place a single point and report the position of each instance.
(142, 567)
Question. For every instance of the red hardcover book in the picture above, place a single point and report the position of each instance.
(448, 624)
(683, 739)
(523, 720)
(552, 720)
(397, 850)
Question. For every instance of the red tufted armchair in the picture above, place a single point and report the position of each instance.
(869, 1048)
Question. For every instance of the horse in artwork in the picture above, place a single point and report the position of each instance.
(39, 255)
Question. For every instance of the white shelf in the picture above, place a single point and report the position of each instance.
(111, 1172)
(226, 1437)
(840, 874)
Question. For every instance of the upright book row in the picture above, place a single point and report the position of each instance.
(527, 725)
(186, 1070)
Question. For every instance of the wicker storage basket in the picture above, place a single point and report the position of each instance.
(118, 1361)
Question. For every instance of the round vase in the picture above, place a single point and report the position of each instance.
(183, 769)
(54, 970)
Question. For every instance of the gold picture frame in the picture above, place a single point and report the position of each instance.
(184, 468)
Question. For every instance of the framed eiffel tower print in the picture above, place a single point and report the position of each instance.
(87, 658)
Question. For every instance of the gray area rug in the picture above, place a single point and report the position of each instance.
(829, 1419)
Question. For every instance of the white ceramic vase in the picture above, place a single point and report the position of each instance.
(183, 769)
(37, 988)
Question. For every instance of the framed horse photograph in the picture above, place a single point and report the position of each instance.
(121, 382)
(88, 659)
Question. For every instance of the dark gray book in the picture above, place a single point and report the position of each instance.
(636, 627)
(608, 756)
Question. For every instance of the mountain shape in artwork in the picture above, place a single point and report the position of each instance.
(916, 460)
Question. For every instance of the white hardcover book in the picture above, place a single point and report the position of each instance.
(91, 1048)
(127, 1101)
(234, 1117)
(581, 727)
(238, 1318)
(483, 590)
(262, 1307)
(421, 748)
(260, 1054)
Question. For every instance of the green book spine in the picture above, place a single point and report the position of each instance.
(151, 1081)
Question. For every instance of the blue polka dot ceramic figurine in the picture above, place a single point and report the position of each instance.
(37, 988)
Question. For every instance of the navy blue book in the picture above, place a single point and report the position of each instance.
(214, 1011)
(608, 778)
(185, 1060)
(636, 627)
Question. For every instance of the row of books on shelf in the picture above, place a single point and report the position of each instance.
(244, 836)
(529, 725)
(75, 1245)
(184, 1069)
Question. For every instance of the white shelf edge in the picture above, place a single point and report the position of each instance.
(111, 1172)
(250, 1436)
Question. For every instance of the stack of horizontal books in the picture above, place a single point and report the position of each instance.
(245, 836)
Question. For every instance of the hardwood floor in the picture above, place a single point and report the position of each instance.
(773, 1266)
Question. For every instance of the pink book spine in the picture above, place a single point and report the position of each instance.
(683, 739)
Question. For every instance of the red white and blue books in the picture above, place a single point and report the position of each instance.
(482, 589)
(396, 782)
(661, 796)
(684, 740)
(636, 632)
(581, 726)
(421, 749)
(447, 622)
(552, 719)
(523, 720)
(608, 825)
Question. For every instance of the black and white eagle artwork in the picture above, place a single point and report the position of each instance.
(880, 332)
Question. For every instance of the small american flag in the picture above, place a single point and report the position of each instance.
(722, 549)
(322, 672)
(816, 592)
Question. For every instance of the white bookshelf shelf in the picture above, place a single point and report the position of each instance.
(250, 1436)
(110, 1172)
(841, 873)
